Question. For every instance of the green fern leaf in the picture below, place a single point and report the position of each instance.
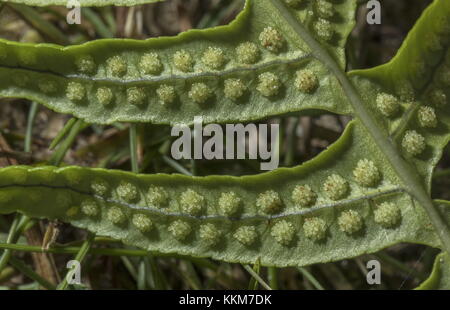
(253, 68)
(368, 191)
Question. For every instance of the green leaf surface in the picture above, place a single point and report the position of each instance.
(419, 78)
(366, 192)
(82, 2)
(440, 276)
(208, 228)
(169, 80)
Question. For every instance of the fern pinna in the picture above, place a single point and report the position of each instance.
(368, 191)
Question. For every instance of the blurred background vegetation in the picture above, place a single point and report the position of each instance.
(27, 130)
